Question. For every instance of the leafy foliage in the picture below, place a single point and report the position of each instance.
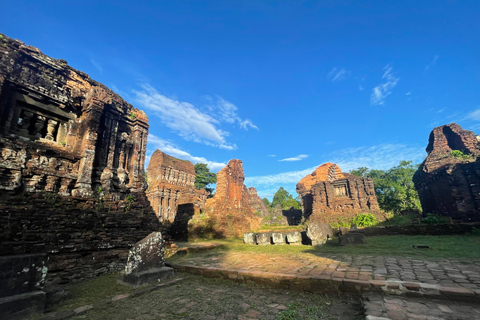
(394, 187)
(433, 219)
(266, 201)
(204, 177)
(460, 155)
(364, 220)
(285, 200)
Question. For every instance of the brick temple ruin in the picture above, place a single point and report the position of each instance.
(328, 195)
(72, 187)
(171, 183)
(448, 185)
(231, 211)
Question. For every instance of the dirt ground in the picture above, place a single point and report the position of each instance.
(197, 297)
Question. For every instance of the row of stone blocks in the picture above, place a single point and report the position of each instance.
(266, 238)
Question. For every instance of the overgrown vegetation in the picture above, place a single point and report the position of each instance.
(364, 220)
(394, 188)
(460, 155)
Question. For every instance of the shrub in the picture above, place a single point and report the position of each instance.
(364, 220)
(460, 155)
(433, 219)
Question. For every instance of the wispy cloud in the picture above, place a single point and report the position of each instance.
(272, 155)
(383, 156)
(184, 118)
(338, 74)
(431, 64)
(360, 88)
(297, 158)
(475, 115)
(225, 111)
(169, 148)
(384, 89)
(97, 65)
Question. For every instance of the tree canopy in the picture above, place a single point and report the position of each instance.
(394, 188)
(285, 200)
(204, 177)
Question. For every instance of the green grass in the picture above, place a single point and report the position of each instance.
(92, 291)
(460, 247)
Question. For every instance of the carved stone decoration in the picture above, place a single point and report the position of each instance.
(50, 129)
(328, 194)
(68, 188)
(449, 185)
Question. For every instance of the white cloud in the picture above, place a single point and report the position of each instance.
(431, 64)
(408, 93)
(383, 156)
(360, 88)
(97, 65)
(297, 158)
(225, 111)
(384, 89)
(184, 118)
(336, 75)
(272, 155)
(475, 115)
(169, 148)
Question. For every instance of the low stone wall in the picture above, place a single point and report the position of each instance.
(83, 238)
(420, 229)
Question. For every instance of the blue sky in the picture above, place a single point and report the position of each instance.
(282, 85)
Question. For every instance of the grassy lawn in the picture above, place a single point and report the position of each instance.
(459, 247)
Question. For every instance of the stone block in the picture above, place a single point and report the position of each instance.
(146, 262)
(278, 238)
(146, 254)
(264, 238)
(351, 238)
(294, 238)
(319, 232)
(249, 238)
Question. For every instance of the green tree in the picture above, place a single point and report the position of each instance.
(204, 177)
(266, 201)
(394, 188)
(285, 200)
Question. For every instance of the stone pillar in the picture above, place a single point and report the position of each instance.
(51, 124)
(39, 125)
(83, 187)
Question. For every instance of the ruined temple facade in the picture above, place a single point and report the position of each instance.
(171, 182)
(328, 195)
(64, 132)
(231, 211)
(449, 185)
(72, 155)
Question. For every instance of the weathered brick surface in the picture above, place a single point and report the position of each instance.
(229, 213)
(328, 194)
(447, 185)
(171, 182)
(72, 154)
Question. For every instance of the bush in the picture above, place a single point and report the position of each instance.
(460, 155)
(433, 219)
(364, 220)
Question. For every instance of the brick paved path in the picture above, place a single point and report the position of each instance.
(393, 287)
